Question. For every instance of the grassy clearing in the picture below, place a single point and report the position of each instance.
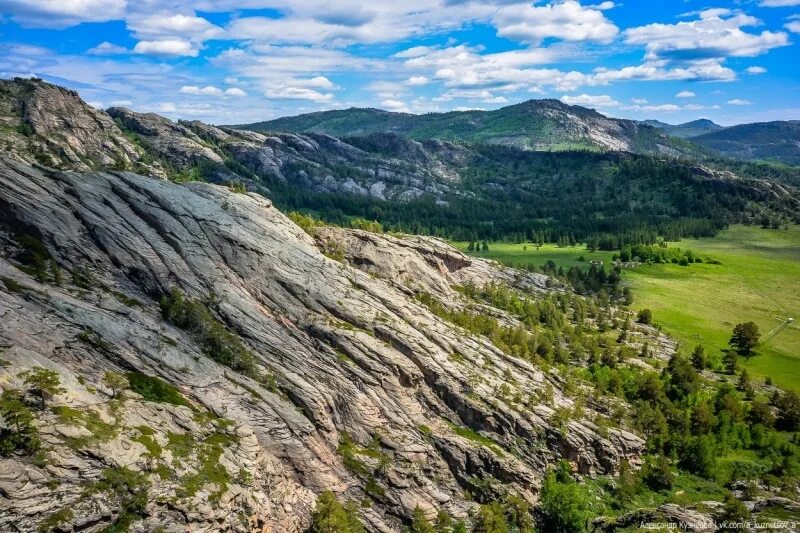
(758, 280)
(527, 254)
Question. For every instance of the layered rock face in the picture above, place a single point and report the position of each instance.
(52, 125)
(354, 385)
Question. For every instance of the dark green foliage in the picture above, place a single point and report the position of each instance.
(34, 257)
(42, 383)
(563, 505)
(645, 316)
(745, 338)
(353, 458)
(609, 201)
(19, 434)
(154, 389)
(127, 489)
(699, 358)
(699, 456)
(657, 473)
(25, 128)
(55, 520)
(420, 523)
(330, 516)
(490, 519)
(734, 514)
(682, 378)
(788, 405)
(219, 344)
(730, 360)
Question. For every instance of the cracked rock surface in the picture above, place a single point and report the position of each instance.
(356, 359)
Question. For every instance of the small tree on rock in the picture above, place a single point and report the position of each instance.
(116, 381)
(420, 523)
(645, 316)
(330, 516)
(42, 383)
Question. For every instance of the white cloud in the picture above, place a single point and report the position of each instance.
(755, 70)
(496, 100)
(235, 92)
(107, 49)
(62, 13)
(658, 70)
(169, 47)
(710, 36)
(289, 92)
(660, 108)
(387, 89)
(685, 94)
(208, 90)
(600, 100)
(394, 105)
(567, 20)
(793, 26)
(738, 101)
(159, 26)
(779, 3)
(417, 80)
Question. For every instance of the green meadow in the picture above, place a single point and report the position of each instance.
(758, 280)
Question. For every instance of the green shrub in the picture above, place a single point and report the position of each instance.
(19, 435)
(563, 505)
(155, 390)
(218, 343)
(330, 516)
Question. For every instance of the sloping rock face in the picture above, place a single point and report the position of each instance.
(52, 125)
(370, 394)
(312, 162)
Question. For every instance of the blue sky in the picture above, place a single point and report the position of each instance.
(234, 62)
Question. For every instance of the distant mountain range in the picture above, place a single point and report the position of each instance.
(551, 125)
(687, 129)
(778, 141)
(548, 125)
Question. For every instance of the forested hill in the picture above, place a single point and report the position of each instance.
(687, 129)
(778, 140)
(463, 191)
(534, 124)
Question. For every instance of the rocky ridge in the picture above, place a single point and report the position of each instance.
(370, 393)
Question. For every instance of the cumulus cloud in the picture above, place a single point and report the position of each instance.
(738, 101)
(387, 89)
(107, 49)
(208, 90)
(394, 105)
(659, 70)
(685, 94)
(569, 21)
(167, 47)
(779, 3)
(62, 13)
(755, 70)
(709, 36)
(793, 26)
(600, 100)
(154, 26)
(235, 92)
(417, 80)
